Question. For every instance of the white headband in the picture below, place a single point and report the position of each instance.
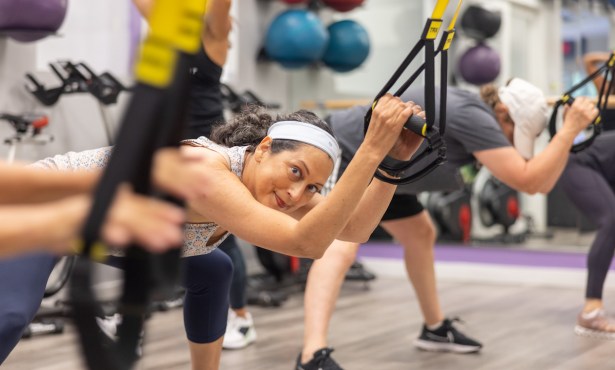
(305, 133)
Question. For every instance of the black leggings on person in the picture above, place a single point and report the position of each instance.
(593, 195)
(239, 280)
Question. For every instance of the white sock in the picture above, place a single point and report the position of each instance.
(434, 326)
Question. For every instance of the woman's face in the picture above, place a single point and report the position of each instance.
(287, 180)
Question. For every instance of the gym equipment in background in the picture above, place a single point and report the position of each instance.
(479, 64)
(79, 78)
(497, 204)
(479, 23)
(31, 20)
(236, 102)
(348, 46)
(452, 214)
(76, 78)
(342, 5)
(296, 38)
(284, 275)
(28, 129)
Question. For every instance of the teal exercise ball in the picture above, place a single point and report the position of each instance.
(348, 46)
(296, 38)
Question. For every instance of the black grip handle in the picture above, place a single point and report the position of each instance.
(417, 124)
(569, 102)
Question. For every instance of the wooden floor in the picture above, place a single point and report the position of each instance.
(521, 328)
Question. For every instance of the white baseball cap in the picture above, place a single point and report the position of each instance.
(527, 107)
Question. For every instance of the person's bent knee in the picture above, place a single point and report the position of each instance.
(203, 270)
(207, 281)
(414, 231)
(429, 232)
(14, 322)
(12, 326)
(342, 252)
(200, 338)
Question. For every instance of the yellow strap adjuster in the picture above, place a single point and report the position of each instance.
(434, 28)
(98, 251)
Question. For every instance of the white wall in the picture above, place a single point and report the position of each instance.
(94, 32)
(391, 25)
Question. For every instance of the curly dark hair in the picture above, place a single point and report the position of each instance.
(250, 127)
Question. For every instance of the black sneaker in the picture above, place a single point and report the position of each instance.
(321, 360)
(446, 338)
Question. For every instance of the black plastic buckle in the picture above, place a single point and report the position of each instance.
(435, 143)
(596, 125)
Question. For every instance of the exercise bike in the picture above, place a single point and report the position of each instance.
(498, 205)
(482, 198)
(78, 78)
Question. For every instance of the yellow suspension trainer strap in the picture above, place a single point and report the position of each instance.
(154, 118)
(427, 128)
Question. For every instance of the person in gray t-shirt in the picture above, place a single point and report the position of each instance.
(470, 127)
(477, 128)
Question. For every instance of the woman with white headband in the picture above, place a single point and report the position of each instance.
(262, 178)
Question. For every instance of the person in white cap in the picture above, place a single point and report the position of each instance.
(499, 131)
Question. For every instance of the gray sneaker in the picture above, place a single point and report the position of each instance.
(595, 326)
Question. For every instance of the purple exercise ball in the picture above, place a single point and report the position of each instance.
(479, 65)
(31, 20)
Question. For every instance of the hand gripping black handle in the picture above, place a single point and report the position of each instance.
(417, 124)
(596, 124)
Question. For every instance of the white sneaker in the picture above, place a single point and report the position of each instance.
(240, 332)
(109, 324)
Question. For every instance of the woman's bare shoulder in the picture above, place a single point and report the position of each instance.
(209, 156)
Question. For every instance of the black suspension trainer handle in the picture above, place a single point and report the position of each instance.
(426, 128)
(154, 118)
(608, 70)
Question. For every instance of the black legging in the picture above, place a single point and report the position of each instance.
(593, 195)
(239, 281)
